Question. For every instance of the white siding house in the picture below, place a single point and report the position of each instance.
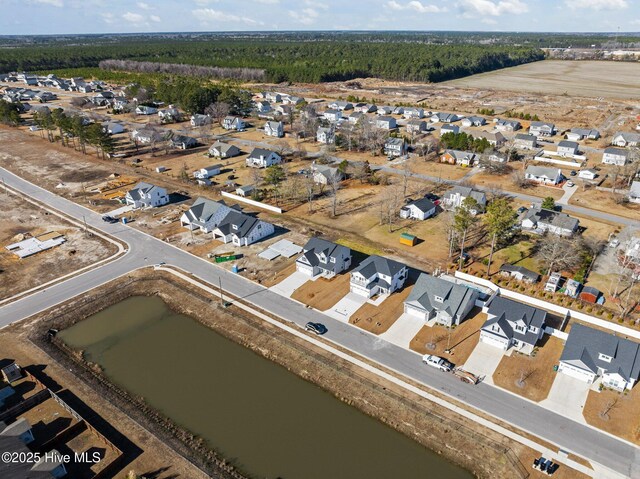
(377, 275)
(146, 195)
(261, 158)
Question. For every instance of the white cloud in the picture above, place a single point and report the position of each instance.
(597, 4)
(108, 17)
(209, 14)
(493, 8)
(144, 6)
(417, 6)
(307, 16)
(155, 18)
(133, 17)
(268, 2)
(53, 3)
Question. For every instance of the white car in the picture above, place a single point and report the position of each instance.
(614, 243)
(570, 184)
(437, 362)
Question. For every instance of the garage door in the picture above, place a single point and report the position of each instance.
(413, 311)
(576, 373)
(493, 341)
(306, 269)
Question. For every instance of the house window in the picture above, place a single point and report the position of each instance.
(235, 227)
(604, 357)
(333, 260)
(520, 328)
(439, 299)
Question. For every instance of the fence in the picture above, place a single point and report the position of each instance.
(546, 159)
(257, 204)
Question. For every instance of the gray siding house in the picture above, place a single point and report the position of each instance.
(541, 220)
(526, 142)
(543, 174)
(615, 156)
(541, 128)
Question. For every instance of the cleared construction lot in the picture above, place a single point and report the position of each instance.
(575, 78)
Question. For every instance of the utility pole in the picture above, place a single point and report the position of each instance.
(4, 183)
(84, 220)
(220, 287)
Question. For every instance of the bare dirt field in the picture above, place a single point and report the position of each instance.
(575, 78)
(323, 293)
(377, 319)
(530, 376)
(616, 413)
(19, 217)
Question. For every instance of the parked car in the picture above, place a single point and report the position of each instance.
(317, 328)
(109, 219)
(437, 362)
(570, 184)
(573, 173)
(614, 243)
(521, 210)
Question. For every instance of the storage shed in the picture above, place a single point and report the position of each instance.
(409, 240)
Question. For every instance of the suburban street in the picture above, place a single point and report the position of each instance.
(145, 250)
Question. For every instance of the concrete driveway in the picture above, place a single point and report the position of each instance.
(120, 211)
(568, 193)
(344, 308)
(403, 330)
(483, 361)
(287, 286)
(567, 397)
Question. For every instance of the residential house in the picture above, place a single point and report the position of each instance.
(245, 191)
(541, 220)
(11, 373)
(567, 148)
(333, 115)
(261, 158)
(443, 117)
(441, 300)
(341, 105)
(473, 121)
(201, 120)
(377, 275)
(419, 209)
(615, 156)
(399, 110)
(20, 429)
(541, 128)
(146, 110)
(284, 110)
(495, 139)
(590, 294)
(103, 98)
(169, 115)
(498, 157)
(292, 100)
(449, 128)
(207, 172)
(146, 195)
(415, 127)
(525, 142)
(634, 192)
(512, 324)
(325, 174)
(322, 257)
(183, 142)
(354, 118)
(626, 139)
(368, 108)
(326, 136)
(411, 113)
(112, 127)
(263, 107)
(233, 123)
(543, 174)
(274, 128)
(457, 157)
(386, 122)
(519, 272)
(507, 125)
(454, 198)
(385, 110)
(395, 147)
(148, 135)
(273, 97)
(591, 353)
(241, 229)
(223, 150)
(588, 174)
(205, 215)
(577, 134)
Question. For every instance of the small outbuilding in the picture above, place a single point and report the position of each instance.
(408, 239)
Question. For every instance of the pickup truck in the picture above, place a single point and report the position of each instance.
(437, 362)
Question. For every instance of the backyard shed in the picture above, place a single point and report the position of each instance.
(409, 240)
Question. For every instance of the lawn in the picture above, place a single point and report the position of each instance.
(537, 369)
(323, 293)
(377, 319)
(464, 338)
(623, 416)
(518, 254)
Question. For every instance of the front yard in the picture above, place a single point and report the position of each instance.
(323, 293)
(530, 376)
(616, 413)
(377, 319)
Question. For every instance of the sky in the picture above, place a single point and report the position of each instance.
(130, 16)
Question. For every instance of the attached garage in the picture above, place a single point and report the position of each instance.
(577, 373)
(305, 269)
(416, 312)
(495, 341)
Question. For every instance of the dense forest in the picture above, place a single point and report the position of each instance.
(282, 58)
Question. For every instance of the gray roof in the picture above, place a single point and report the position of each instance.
(586, 132)
(187, 140)
(316, 247)
(141, 187)
(465, 192)
(628, 136)
(16, 428)
(442, 116)
(423, 204)
(542, 124)
(635, 189)
(553, 218)
(455, 297)
(527, 273)
(223, 147)
(203, 209)
(617, 151)
(585, 344)
(378, 264)
(568, 144)
(258, 152)
(546, 171)
(506, 312)
(461, 155)
(244, 223)
(526, 137)
(385, 118)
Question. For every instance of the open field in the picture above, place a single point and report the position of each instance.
(574, 78)
(323, 293)
(17, 218)
(614, 412)
(530, 376)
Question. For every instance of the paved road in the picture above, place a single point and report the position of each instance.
(146, 250)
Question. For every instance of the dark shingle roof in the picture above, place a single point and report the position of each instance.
(456, 297)
(378, 264)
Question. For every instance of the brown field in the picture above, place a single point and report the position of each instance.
(322, 293)
(464, 338)
(623, 417)
(377, 319)
(538, 368)
(575, 78)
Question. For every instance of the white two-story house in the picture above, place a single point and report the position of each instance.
(322, 257)
(146, 195)
(377, 275)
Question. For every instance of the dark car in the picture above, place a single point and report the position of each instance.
(109, 219)
(573, 173)
(317, 328)
(521, 210)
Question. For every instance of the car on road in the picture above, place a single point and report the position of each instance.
(437, 362)
(109, 219)
(573, 173)
(614, 243)
(317, 328)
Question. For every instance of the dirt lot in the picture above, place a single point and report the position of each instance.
(462, 341)
(576, 78)
(603, 201)
(377, 319)
(19, 217)
(322, 293)
(530, 376)
(614, 412)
